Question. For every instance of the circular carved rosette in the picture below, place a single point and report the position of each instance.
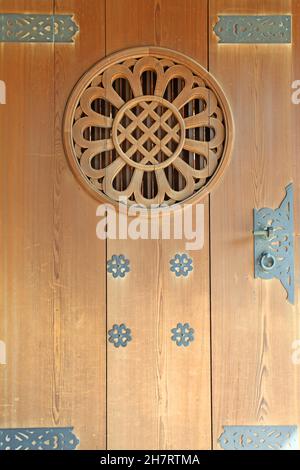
(149, 125)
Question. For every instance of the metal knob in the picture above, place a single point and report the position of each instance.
(267, 261)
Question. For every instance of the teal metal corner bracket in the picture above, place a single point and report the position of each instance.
(38, 439)
(19, 27)
(251, 29)
(259, 438)
(274, 243)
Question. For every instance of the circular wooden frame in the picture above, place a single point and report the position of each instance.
(112, 65)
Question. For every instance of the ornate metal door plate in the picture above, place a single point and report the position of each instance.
(37, 28)
(38, 439)
(259, 438)
(251, 29)
(274, 243)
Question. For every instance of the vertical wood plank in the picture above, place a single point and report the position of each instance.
(53, 282)
(27, 151)
(253, 326)
(79, 315)
(294, 136)
(132, 390)
(158, 393)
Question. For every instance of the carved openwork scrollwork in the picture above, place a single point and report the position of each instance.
(148, 124)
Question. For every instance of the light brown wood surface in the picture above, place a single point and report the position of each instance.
(157, 392)
(57, 301)
(125, 148)
(80, 257)
(253, 326)
(53, 271)
(27, 152)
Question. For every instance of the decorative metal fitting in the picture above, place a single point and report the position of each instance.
(274, 243)
(119, 335)
(251, 29)
(38, 439)
(267, 261)
(267, 232)
(37, 28)
(183, 334)
(118, 266)
(259, 438)
(181, 264)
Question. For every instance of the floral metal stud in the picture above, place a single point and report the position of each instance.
(118, 266)
(119, 335)
(181, 264)
(183, 334)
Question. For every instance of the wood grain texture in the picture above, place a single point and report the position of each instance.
(148, 407)
(53, 276)
(27, 152)
(79, 257)
(166, 142)
(53, 282)
(253, 326)
(295, 170)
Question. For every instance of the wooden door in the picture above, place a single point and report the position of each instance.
(59, 302)
(255, 381)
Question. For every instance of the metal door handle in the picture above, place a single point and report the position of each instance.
(273, 234)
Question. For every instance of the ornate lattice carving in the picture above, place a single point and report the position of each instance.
(259, 438)
(162, 117)
(148, 124)
(37, 28)
(254, 29)
(38, 439)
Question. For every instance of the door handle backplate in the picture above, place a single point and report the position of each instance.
(273, 234)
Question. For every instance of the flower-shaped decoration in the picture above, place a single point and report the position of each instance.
(181, 264)
(119, 335)
(182, 334)
(118, 266)
(149, 125)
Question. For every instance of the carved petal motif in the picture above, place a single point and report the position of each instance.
(148, 128)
